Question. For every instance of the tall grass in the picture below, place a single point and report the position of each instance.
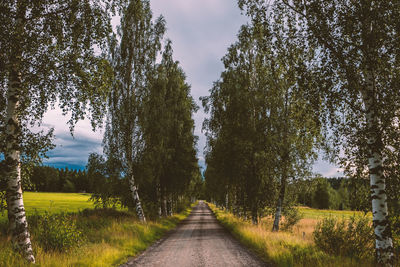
(283, 248)
(110, 237)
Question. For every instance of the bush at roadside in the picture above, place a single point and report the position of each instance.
(55, 232)
(352, 237)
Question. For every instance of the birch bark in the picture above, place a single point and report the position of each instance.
(169, 205)
(278, 212)
(285, 162)
(164, 205)
(383, 239)
(18, 225)
(136, 199)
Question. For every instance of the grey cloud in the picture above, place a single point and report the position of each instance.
(72, 151)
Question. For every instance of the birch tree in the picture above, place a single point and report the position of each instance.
(133, 55)
(358, 69)
(167, 123)
(47, 53)
(261, 132)
(237, 148)
(298, 128)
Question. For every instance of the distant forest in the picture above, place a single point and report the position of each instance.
(50, 179)
(318, 192)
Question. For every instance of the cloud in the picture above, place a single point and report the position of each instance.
(72, 151)
(327, 169)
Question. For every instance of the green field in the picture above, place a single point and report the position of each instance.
(309, 213)
(56, 202)
(36, 202)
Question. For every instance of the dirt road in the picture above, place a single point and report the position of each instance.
(198, 241)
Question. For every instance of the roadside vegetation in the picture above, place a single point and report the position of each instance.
(306, 79)
(88, 237)
(297, 247)
(302, 80)
(68, 54)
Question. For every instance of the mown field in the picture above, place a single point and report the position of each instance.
(289, 248)
(56, 202)
(37, 202)
(310, 213)
(66, 230)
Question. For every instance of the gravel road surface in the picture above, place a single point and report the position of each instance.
(198, 241)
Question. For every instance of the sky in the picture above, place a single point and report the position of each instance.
(201, 31)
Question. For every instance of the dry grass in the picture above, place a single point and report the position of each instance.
(109, 242)
(302, 231)
(282, 248)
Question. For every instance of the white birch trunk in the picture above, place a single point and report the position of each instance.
(163, 202)
(254, 217)
(285, 163)
(18, 225)
(160, 200)
(169, 206)
(226, 201)
(279, 204)
(383, 240)
(136, 199)
(278, 215)
(164, 206)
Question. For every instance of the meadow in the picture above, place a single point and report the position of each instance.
(311, 213)
(103, 237)
(38, 202)
(283, 248)
(56, 202)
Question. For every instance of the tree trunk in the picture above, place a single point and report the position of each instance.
(18, 225)
(254, 216)
(226, 201)
(383, 234)
(163, 203)
(136, 199)
(164, 207)
(285, 163)
(159, 193)
(278, 212)
(169, 206)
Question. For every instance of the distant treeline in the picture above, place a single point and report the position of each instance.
(333, 193)
(50, 179)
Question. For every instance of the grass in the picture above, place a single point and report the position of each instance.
(284, 248)
(317, 214)
(110, 236)
(37, 202)
(311, 217)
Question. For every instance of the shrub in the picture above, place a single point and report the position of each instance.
(292, 217)
(56, 231)
(351, 238)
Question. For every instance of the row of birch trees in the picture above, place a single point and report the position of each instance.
(306, 76)
(149, 129)
(262, 128)
(66, 54)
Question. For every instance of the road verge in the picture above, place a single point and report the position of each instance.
(278, 249)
